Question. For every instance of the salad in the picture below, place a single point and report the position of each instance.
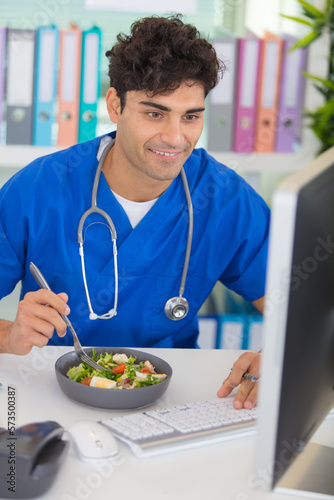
(122, 372)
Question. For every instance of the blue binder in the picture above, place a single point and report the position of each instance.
(45, 85)
(90, 83)
(233, 332)
(208, 327)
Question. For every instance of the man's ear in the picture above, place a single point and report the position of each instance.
(113, 105)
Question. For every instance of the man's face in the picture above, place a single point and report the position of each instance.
(156, 134)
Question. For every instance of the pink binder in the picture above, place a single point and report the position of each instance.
(69, 86)
(270, 75)
(249, 52)
(291, 99)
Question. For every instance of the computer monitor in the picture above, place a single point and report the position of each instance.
(297, 369)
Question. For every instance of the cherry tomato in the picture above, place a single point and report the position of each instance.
(146, 370)
(119, 369)
(86, 381)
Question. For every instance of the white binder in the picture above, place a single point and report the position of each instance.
(20, 85)
(222, 98)
(233, 332)
(208, 326)
(255, 333)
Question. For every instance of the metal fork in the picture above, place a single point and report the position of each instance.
(77, 346)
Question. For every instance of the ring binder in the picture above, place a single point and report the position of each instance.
(249, 52)
(270, 73)
(46, 85)
(2, 75)
(222, 98)
(21, 57)
(291, 101)
(69, 86)
(90, 83)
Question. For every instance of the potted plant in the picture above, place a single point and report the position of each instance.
(321, 121)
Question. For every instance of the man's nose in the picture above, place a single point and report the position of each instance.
(172, 133)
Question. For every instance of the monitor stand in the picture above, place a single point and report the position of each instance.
(311, 475)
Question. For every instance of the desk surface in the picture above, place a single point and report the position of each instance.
(223, 470)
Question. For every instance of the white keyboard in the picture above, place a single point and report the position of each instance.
(159, 431)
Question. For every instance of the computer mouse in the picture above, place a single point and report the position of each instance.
(92, 440)
(30, 458)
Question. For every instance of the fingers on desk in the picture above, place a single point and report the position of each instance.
(247, 394)
(225, 389)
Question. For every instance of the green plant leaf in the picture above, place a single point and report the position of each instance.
(298, 20)
(323, 90)
(322, 125)
(327, 83)
(304, 42)
(328, 7)
(327, 113)
(311, 9)
(321, 120)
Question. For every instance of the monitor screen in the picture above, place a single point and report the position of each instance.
(297, 368)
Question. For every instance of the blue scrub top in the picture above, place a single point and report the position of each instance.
(40, 209)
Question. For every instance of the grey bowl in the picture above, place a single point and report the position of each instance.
(110, 398)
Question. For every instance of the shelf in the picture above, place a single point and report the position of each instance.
(19, 156)
(265, 162)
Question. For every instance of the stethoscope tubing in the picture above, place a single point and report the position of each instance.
(95, 209)
(190, 232)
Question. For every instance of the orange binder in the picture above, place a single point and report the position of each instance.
(270, 75)
(69, 86)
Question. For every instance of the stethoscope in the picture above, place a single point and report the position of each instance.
(175, 308)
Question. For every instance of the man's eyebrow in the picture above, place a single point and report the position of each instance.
(155, 105)
(165, 108)
(194, 110)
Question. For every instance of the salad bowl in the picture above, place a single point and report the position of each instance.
(113, 399)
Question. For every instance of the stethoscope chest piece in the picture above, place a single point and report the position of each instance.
(176, 308)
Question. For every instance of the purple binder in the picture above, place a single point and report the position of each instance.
(249, 53)
(2, 71)
(291, 99)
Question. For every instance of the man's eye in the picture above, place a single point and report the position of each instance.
(190, 118)
(154, 114)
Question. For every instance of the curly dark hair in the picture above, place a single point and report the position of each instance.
(159, 55)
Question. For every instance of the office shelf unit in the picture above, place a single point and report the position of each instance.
(15, 157)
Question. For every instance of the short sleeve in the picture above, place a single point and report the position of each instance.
(246, 273)
(11, 239)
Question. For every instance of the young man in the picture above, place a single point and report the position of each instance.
(159, 78)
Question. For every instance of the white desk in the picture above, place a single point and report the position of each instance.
(221, 471)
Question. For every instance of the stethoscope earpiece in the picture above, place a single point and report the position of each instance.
(176, 308)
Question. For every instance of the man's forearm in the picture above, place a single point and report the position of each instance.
(259, 304)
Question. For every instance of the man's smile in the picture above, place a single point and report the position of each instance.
(166, 155)
(163, 153)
